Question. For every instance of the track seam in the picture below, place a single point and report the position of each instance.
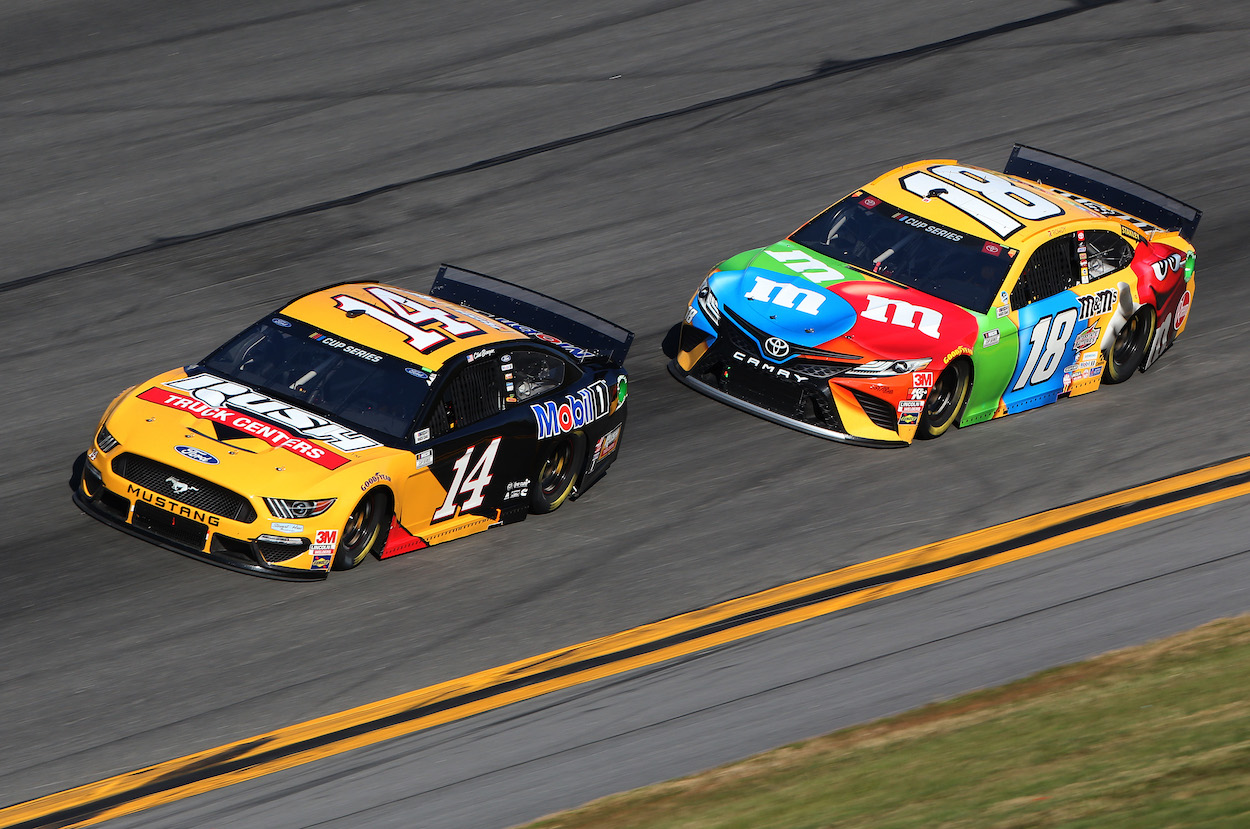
(827, 69)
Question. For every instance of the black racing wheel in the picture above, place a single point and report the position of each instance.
(365, 531)
(1126, 353)
(559, 463)
(945, 400)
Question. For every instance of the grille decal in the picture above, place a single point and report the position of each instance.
(198, 493)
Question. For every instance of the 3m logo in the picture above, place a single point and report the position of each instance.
(327, 538)
(897, 312)
(786, 295)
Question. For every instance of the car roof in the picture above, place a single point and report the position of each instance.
(889, 187)
(440, 330)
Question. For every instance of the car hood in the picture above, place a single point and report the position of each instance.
(189, 424)
(788, 292)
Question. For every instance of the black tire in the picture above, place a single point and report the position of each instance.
(1126, 352)
(946, 400)
(365, 531)
(555, 474)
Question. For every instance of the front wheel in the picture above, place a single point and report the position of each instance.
(558, 465)
(945, 400)
(365, 530)
(1129, 348)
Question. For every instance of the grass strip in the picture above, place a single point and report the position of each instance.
(1156, 735)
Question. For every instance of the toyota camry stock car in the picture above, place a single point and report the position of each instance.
(943, 294)
(364, 418)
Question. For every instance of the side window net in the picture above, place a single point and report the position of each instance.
(1052, 269)
(440, 420)
(473, 394)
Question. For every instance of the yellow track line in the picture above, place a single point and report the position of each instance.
(91, 800)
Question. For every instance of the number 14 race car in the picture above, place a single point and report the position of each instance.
(361, 419)
(943, 294)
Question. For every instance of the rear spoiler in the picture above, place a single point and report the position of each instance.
(1114, 191)
(533, 313)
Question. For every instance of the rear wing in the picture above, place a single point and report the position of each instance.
(1114, 191)
(533, 313)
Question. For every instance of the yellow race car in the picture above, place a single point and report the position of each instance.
(942, 294)
(364, 418)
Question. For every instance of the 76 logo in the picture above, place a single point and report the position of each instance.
(471, 485)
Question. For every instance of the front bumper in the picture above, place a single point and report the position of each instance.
(159, 522)
(775, 417)
(730, 369)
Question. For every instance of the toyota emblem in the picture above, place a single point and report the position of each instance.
(776, 348)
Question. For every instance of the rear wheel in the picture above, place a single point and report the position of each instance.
(1129, 348)
(945, 401)
(365, 530)
(558, 465)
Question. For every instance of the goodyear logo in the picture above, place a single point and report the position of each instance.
(574, 412)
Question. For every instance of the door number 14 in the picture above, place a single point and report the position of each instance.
(474, 487)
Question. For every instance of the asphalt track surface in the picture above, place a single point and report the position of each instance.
(169, 177)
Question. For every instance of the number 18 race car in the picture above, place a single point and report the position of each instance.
(944, 294)
(363, 419)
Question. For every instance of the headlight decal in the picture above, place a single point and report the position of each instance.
(287, 508)
(887, 368)
(708, 304)
(105, 440)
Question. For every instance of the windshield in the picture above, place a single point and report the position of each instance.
(327, 374)
(866, 232)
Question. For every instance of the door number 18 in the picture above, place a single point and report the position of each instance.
(1047, 346)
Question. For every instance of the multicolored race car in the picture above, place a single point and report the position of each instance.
(944, 294)
(364, 418)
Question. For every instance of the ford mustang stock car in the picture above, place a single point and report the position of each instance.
(945, 294)
(364, 418)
